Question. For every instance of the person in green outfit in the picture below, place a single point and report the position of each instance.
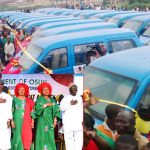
(22, 122)
(47, 112)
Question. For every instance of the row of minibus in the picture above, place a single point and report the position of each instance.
(74, 42)
(122, 77)
(66, 45)
(137, 21)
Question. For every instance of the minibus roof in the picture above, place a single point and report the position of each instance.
(133, 63)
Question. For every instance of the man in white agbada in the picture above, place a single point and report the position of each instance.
(5, 118)
(71, 107)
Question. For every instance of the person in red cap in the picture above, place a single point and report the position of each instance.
(22, 122)
(47, 112)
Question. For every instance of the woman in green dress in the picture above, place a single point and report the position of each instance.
(22, 122)
(47, 111)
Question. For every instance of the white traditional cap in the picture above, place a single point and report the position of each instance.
(71, 85)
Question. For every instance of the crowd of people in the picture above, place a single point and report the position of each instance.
(34, 124)
(117, 132)
(23, 114)
(10, 35)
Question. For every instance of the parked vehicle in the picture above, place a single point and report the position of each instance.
(73, 28)
(65, 52)
(108, 15)
(138, 24)
(88, 14)
(35, 19)
(36, 24)
(121, 19)
(65, 23)
(145, 36)
(123, 78)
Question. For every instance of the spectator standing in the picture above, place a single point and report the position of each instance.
(125, 124)
(22, 122)
(6, 116)
(71, 107)
(9, 51)
(47, 112)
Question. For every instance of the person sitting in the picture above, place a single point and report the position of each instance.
(126, 142)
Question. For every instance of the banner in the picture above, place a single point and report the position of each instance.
(33, 80)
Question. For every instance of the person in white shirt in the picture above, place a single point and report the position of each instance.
(9, 51)
(71, 107)
(5, 118)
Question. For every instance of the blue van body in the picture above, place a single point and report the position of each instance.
(34, 19)
(22, 15)
(69, 22)
(128, 74)
(138, 24)
(57, 12)
(64, 23)
(107, 15)
(67, 13)
(145, 37)
(73, 28)
(26, 16)
(88, 14)
(120, 20)
(71, 47)
(14, 17)
(76, 13)
(30, 25)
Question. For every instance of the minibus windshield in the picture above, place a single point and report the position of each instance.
(107, 86)
(114, 20)
(147, 32)
(132, 24)
(34, 51)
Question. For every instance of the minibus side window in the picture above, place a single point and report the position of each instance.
(145, 101)
(86, 53)
(120, 45)
(54, 59)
